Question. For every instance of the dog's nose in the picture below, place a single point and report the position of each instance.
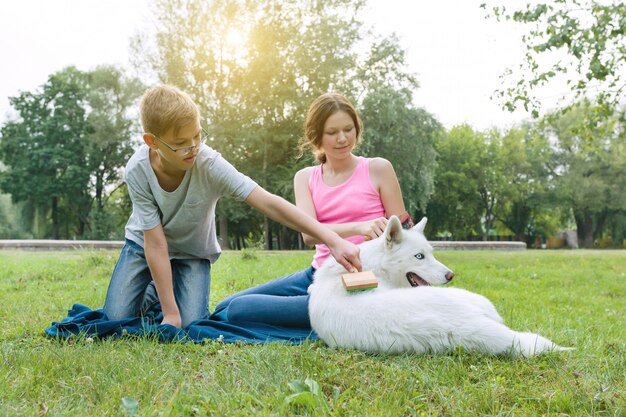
(449, 276)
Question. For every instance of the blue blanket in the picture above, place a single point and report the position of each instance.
(82, 320)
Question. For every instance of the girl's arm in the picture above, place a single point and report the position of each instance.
(385, 181)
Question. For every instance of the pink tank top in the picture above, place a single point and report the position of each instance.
(353, 201)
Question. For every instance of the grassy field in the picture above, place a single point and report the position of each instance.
(576, 298)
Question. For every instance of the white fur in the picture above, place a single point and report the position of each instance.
(396, 317)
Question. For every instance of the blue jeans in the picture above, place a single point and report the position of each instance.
(281, 302)
(131, 276)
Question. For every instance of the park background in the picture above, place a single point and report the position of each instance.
(475, 167)
(558, 164)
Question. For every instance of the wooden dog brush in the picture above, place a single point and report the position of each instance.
(359, 281)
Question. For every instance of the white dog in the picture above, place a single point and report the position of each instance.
(405, 314)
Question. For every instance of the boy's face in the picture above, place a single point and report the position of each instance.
(177, 150)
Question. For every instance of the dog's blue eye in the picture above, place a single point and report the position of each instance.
(420, 256)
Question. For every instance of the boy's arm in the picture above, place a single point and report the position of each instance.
(155, 247)
(279, 209)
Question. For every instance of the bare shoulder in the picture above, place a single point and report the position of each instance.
(380, 166)
(303, 175)
(382, 173)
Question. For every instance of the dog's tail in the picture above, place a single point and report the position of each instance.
(529, 344)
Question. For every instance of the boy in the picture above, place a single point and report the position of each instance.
(174, 183)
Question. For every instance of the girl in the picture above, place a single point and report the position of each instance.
(352, 195)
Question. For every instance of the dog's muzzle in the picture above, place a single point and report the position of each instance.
(415, 280)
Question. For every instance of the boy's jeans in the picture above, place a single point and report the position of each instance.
(131, 276)
(281, 302)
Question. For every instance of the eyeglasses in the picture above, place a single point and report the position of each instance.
(182, 151)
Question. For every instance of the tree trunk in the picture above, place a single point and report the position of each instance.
(600, 219)
(268, 233)
(55, 218)
(488, 225)
(284, 238)
(34, 226)
(99, 190)
(584, 226)
(301, 242)
(224, 243)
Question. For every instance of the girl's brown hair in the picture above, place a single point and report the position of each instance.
(319, 111)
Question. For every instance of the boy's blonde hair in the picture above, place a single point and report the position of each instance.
(165, 107)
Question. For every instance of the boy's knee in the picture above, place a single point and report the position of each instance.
(118, 313)
(192, 311)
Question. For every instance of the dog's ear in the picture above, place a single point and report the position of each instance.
(421, 225)
(393, 232)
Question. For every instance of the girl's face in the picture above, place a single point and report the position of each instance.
(339, 137)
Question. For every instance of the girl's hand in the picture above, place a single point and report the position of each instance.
(374, 228)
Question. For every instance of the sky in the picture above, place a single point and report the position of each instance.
(457, 54)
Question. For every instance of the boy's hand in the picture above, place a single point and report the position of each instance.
(172, 319)
(347, 254)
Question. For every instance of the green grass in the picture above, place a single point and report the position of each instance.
(576, 298)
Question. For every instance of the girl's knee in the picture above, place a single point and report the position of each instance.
(240, 308)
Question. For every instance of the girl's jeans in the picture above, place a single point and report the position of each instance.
(131, 276)
(281, 302)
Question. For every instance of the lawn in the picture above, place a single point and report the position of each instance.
(575, 298)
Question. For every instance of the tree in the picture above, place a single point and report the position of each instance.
(254, 68)
(589, 175)
(582, 40)
(42, 151)
(395, 130)
(524, 156)
(110, 97)
(455, 208)
(492, 183)
(65, 148)
(291, 59)
(616, 161)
